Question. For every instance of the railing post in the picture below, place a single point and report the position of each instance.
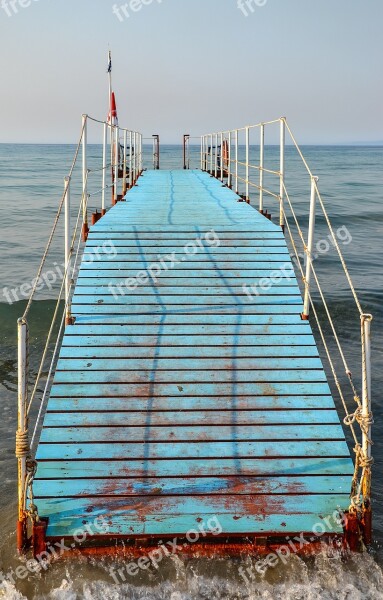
(156, 152)
(221, 154)
(310, 247)
(130, 160)
(216, 156)
(186, 151)
(116, 163)
(85, 227)
(261, 166)
(141, 164)
(229, 163)
(104, 167)
(248, 165)
(211, 154)
(282, 171)
(135, 156)
(124, 167)
(68, 253)
(236, 161)
(202, 149)
(22, 441)
(367, 420)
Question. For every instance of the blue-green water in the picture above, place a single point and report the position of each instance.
(31, 182)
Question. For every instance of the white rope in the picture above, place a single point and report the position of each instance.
(347, 273)
(45, 352)
(48, 380)
(60, 331)
(362, 462)
(55, 223)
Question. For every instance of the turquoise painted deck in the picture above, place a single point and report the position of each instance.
(185, 399)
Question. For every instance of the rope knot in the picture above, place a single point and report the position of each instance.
(22, 444)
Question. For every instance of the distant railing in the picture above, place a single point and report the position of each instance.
(238, 160)
(118, 169)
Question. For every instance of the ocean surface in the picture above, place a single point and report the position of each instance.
(351, 181)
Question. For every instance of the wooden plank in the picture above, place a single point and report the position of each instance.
(177, 526)
(145, 405)
(158, 244)
(231, 341)
(249, 423)
(199, 318)
(153, 515)
(187, 450)
(127, 433)
(196, 486)
(147, 390)
(95, 294)
(145, 468)
(232, 376)
(188, 364)
(105, 304)
(186, 309)
(99, 351)
(271, 253)
(115, 232)
(183, 328)
(238, 268)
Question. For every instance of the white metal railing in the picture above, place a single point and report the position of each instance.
(122, 166)
(238, 158)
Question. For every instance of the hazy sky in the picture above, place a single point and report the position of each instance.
(192, 66)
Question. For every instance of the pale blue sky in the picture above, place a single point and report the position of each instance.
(193, 66)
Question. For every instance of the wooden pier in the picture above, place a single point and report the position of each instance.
(184, 395)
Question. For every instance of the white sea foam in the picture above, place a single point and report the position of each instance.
(323, 577)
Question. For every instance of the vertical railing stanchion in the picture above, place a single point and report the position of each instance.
(116, 164)
(261, 166)
(282, 172)
(216, 156)
(221, 157)
(68, 252)
(229, 163)
(186, 151)
(124, 171)
(22, 440)
(104, 168)
(248, 165)
(141, 165)
(135, 157)
(211, 154)
(309, 249)
(202, 149)
(85, 227)
(236, 161)
(130, 160)
(366, 425)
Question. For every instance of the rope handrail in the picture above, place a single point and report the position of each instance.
(126, 163)
(222, 161)
(51, 236)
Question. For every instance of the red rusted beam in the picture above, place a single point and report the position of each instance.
(39, 542)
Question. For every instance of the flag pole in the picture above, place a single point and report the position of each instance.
(110, 111)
